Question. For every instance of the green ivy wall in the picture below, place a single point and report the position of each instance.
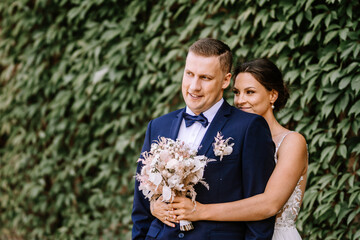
(80, 79)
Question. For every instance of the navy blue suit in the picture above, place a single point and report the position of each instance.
(241, 174)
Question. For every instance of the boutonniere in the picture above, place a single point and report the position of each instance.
(222, 146)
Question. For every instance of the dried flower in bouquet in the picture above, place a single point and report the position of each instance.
(222, 146)
(171, 168)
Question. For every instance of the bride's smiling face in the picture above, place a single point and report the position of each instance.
(251, 96)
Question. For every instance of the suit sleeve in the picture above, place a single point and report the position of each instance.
(257, 166)
(141, 215)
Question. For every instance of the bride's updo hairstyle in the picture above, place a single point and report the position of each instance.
(268, 75)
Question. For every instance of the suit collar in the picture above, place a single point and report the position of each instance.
(216, 125)
(175, 126)
(211, 112)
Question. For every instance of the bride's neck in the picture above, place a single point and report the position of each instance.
(274, 125)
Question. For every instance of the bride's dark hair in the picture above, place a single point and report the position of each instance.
(269, 75)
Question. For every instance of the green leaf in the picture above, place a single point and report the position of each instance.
(341, 105)
(245, 14)
(324, 59)
(144, 82)
(347, 51)
(308, 4)
(337, 209)
(307, 38)
(351, 182)
(291, 76)
(355, 109)
(344, 82)
(330, 35)
(276, 27)
(327, 153)
(343, 179)
(332, 97)
(299, 18)
(335, 75)
(276, 49)
(357, 234)
(206, 32)
(351, 217)
(353, 196)
(228, 24)
(342, 151)
(343, 33)
(317, 20)
(355, 84)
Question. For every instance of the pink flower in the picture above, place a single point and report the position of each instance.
(221, 146)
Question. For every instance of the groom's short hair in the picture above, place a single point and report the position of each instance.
(208, 47)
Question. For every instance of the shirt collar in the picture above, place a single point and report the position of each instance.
(211, 112)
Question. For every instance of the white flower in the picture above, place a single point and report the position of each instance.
(154, 162)
(221, 146)
(198, 163)
(200, 173)
(155, 178)
(228, 150)
(171, 164)
(164, 156)
(166, 193)
(217, 152)
(154, 146)
(174, 180)
(194, 179)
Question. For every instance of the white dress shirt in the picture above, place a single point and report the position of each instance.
(194, 134)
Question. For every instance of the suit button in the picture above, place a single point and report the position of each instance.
(181, 235)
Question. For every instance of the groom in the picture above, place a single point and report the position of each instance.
(239, 175)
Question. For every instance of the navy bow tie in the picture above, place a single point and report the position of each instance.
(190, 119)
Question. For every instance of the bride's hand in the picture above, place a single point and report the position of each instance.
(161, 211)
(185, 209)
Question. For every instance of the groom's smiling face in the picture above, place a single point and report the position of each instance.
(203, 82)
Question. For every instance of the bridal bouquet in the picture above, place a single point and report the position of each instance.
(171, 168)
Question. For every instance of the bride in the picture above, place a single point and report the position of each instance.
(259, 89)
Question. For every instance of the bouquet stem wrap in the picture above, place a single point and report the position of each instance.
(186, 225)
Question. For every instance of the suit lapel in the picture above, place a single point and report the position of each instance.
(175, 125)
(216, 125)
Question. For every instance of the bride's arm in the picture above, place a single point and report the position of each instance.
(292, 164)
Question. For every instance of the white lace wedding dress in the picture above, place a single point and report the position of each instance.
(285, 228)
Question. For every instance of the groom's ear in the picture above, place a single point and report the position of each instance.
(226, 81)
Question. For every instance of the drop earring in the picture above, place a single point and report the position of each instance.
(272, 106)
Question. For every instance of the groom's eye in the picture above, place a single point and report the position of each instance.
(207, 77)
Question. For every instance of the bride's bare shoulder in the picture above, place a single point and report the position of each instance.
(294, 142)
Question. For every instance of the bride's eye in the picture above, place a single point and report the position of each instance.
(236, 92)
(250, 92)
